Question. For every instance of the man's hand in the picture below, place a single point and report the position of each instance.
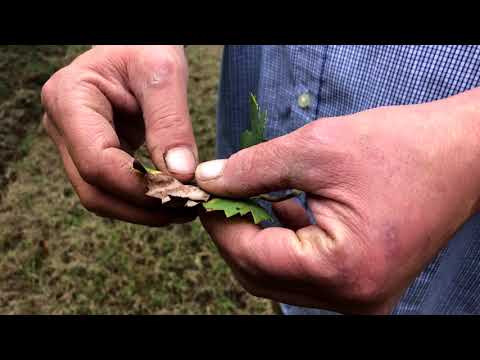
(105, 105)
(387, 188)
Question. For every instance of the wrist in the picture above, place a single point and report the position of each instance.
(462, 113)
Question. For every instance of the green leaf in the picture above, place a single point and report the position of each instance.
(233, 207)
(255, 135)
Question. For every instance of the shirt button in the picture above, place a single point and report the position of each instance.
(304, 100)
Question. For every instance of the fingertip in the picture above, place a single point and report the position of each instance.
(208, 176)
(181, 160)
(210, 170)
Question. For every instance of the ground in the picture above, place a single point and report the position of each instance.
(57, 258)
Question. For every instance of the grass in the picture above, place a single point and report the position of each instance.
(57, 258)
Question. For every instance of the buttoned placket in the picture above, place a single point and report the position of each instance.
(307, 82)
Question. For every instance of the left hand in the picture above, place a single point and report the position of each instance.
(387, 188)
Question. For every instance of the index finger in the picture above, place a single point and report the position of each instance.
(274, 253)
(277, 263)
(84, 118)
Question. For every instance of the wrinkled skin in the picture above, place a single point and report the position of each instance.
(387, 187)
(106, 104)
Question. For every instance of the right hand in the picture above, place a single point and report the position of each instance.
(106, 104)
(387, 188)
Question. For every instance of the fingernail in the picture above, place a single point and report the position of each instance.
(210, 170)
(180, 160)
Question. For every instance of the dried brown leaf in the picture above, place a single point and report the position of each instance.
(171, 191)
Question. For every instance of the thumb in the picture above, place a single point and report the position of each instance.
(161, 87)
(270, 166)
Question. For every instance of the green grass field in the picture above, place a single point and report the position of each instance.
(57, 258)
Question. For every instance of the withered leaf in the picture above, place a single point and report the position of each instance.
(170, 190)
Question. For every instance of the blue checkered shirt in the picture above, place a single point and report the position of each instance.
(342, 80)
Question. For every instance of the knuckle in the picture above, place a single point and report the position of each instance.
(163, 67)
(50, 89)
(318, 132)
(166, 121)
(48, 93)
(279, 165)
(171, 127)
(271, 160)
(172, 61)
(244, 162)
(168, 64)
